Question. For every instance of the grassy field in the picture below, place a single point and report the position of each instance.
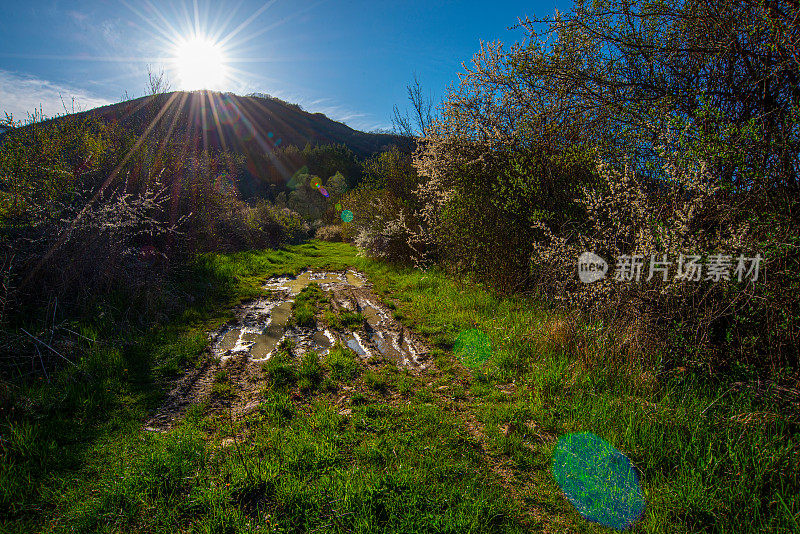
(464, 447)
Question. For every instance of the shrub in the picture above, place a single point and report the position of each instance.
(331, 232)
(567, 144)
(381, 226)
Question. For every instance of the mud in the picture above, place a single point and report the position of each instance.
(241, 346)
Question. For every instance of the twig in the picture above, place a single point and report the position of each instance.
(53, 323)
(41, 360)
(52, 349)
(715, 400)
(80, 335)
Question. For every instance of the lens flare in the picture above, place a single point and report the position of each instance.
(323, 191)
(228, 111)
(243, 130)
(473, 347)
(599, 481)
(347, 215)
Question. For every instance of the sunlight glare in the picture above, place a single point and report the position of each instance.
(200, 64)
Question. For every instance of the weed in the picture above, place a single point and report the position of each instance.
(279, 370)
(310, 371)
(352, 320)
(331, 320)
(376, 380)
(343, 363)
(304, 308)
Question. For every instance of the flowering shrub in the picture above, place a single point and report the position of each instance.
(565, 144)
(331, 232)
(85, 212)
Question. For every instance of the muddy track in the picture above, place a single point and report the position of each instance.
(241, 347)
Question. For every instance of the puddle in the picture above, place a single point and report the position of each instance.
(355, 279)
(323, 340)
(385, 335)
(326, 279)
(371, 315)
(354, 343)
(262, 324)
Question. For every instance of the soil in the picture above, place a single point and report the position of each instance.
(242, 346)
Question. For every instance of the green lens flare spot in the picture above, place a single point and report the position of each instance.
(473, 347)
(599, 481)
(347, 215)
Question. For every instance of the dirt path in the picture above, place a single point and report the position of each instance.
(240, 347)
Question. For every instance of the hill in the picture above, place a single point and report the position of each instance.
(240, 123)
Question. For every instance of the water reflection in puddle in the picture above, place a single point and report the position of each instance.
(326, 280)
(322, 340)
(354, 343)
(263, 324)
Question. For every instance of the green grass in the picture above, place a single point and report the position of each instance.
(352, 320)
(73, 456)
(310, 372)
(306, 305)
(279, 370)
(348, 320)
(57, 434)
(703, 467)
(342, 363)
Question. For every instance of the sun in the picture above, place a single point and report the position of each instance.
(200, 64)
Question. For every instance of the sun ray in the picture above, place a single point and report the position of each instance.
(175, 117)
(168, 32)
(196, 18)
(247, 22)
(222, 27)
(217, 123)
(275, 24)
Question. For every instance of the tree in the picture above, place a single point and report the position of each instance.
(418, 123)
(157, 82)
(392, 170)
(336, 185)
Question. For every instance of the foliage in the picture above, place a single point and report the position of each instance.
(630, 128)
(89, 214)
(384, 225)
(332, 232)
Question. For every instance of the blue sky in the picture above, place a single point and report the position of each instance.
(348, 59)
